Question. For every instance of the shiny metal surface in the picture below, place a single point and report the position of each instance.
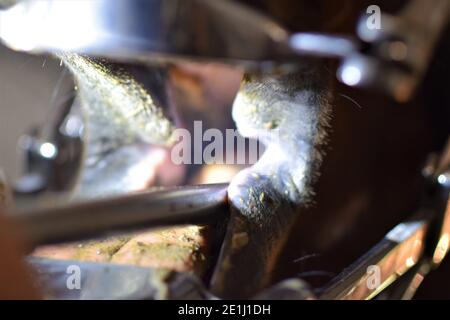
(437, 242)
(161, 29)
(322, 45)
(168, 207)
(409, 252)
(441, 244)
(52, 151)
(393, 256)
(154, 30)
(141, 29)
(109, 281)
(400, 51)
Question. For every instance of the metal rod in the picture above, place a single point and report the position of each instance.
(173, 206)
(392, 257)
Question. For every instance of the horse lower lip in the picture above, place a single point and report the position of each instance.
(291, 111)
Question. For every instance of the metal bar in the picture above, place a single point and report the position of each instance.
(323, 45)
(138, 30)
(392, 257)
(174, 206)
(109, 281)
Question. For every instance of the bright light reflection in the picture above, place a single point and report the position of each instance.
(351, 75)
(48, 150)
(62, 25)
